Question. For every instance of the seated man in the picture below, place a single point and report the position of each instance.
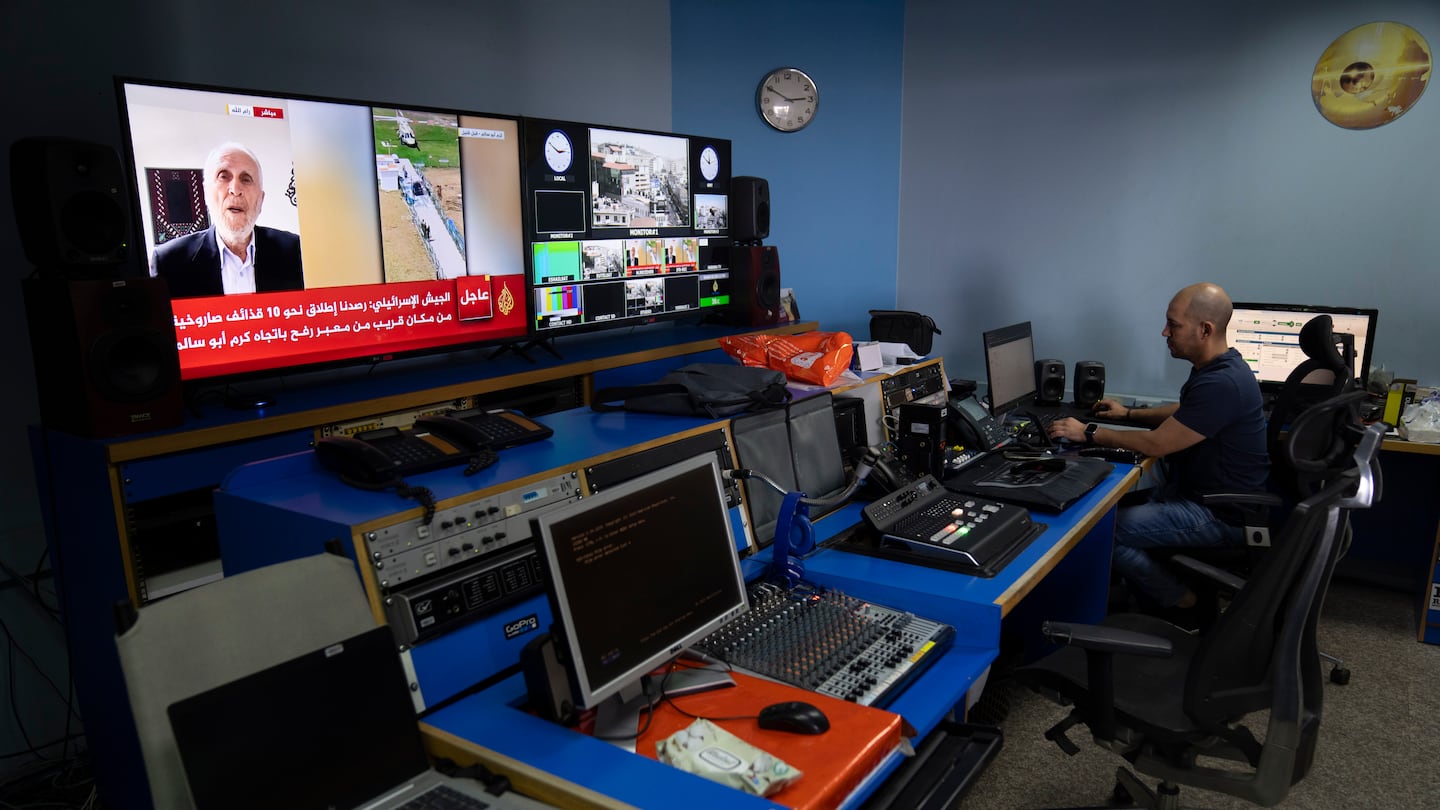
(1213, 438)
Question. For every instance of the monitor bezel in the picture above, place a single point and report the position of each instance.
(1362, 358)
(589, 692)
(290, 366)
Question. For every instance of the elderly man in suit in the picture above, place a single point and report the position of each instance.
(233, 255)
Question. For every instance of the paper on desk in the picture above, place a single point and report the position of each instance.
(892, 353)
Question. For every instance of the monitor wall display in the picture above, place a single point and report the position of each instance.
(355, 231)
(644, 213)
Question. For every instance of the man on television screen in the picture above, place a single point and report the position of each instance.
(233, 255)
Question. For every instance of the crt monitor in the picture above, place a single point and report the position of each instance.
(1268, 337)
(638, 573)
(378, 230)
(1009, 367)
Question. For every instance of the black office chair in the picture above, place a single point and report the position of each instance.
(1324, 374)
(1162, 697)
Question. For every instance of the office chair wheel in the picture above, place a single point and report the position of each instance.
(1340, 676)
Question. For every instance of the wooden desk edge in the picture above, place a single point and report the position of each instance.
(527, 779)
(1042, 567)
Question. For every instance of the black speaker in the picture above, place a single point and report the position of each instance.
(1089, 383)
(749, 209)
(1049, 382)
(72, 204)
(754, 286)
(105, 357)
(922, 437)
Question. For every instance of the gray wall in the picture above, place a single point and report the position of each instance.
(1075, 164)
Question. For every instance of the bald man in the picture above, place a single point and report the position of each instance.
(1213, 439)
(233, 255)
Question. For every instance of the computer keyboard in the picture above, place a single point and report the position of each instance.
(826, 641)
(441, 797)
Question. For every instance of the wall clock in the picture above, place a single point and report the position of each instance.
(787, 99)
(558, 151)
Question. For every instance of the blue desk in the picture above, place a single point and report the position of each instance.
(288, 507)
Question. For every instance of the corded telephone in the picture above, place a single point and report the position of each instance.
(972, 424)
(384, 456)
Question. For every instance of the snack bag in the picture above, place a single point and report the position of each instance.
(818, 358)
(705, 749)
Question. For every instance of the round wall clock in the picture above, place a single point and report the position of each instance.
(558, 152)
(787, 99)
(709, 163)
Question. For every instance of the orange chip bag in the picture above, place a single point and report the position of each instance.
(818, 358)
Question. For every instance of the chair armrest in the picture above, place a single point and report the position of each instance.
(1107, 639)
(1218, 575)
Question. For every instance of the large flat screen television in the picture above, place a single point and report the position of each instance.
(623, 226)
(1268, 337)
(356, 231)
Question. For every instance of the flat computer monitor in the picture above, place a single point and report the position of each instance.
(1268, 337)
(637, 574)
(1009, 367)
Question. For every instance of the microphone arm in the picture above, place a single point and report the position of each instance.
(862, 471)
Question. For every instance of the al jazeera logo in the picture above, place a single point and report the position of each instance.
(1371, 75)
(506, 302)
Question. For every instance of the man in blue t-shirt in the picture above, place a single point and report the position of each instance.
(1214, 438)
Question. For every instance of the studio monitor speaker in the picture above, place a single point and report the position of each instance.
(1049, 382)
(105, 357)
(72, 205)
(754, 286)
(749, 209)
(1089, 383)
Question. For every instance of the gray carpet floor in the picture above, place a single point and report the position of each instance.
(1379, 736)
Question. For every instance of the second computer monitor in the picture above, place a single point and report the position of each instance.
(1268, 337)
(1009, 367)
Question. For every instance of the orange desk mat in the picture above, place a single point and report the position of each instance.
(833, 763)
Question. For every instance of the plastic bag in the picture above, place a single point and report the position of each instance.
(818, 358)
(1421, 421)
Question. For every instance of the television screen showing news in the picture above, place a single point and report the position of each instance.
(295, 232)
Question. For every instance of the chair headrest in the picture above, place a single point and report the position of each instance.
(1317, 340)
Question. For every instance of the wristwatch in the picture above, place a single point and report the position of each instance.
(1090, 429)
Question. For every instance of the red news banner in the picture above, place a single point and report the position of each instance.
(241, 333)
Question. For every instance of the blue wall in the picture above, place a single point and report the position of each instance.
(835, 185)
(1075, 164)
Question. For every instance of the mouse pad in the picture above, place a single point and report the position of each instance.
(833, 763)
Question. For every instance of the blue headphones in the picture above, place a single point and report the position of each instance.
(793, 533)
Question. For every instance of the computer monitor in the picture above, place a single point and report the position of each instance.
(1268, 337)
(1009, 367)
(637, 574)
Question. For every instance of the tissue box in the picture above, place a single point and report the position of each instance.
(867, 356)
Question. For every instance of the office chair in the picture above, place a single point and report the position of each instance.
(1324, 374)
(1162, 697)
(210, 635)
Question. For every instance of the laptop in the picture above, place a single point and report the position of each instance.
(334, 728)
(1010, 380)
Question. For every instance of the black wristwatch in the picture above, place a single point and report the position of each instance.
(1090, 429)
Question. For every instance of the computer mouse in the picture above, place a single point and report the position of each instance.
(794, 716)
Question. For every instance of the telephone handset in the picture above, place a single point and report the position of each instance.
(357, 462)
(973, 425)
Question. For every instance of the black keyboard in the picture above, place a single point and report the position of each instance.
(504, 428)
(826, 641)
(441, 797)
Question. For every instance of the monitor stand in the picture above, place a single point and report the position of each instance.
(617, 718)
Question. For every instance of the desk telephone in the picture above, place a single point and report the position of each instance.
(973, 425)
(383, 456)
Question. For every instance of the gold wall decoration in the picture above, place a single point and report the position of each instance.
(1371, 75)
